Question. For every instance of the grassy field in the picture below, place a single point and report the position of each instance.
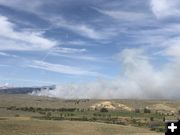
(25, 126)
(30, 115)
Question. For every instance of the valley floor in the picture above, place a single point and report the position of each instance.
(28, 126)
(30, 115)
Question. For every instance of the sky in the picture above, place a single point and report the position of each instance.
(92, 48)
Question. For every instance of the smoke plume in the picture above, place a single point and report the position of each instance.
(140, 79)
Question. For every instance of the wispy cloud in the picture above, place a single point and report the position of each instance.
(75, 42)
(123, 15)
(165, 8)
(8, 55)
(21, 5)
(67, 50)
(60, 51)
(63, 69)
(84, 30)
(80, 57)
(11, 39)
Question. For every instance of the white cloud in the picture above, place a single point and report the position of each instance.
(63, 69)
(123, 15)
(165, 8)
(83, 29)
(20, 4)
(11, 39)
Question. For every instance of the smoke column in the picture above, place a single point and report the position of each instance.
(140, 79)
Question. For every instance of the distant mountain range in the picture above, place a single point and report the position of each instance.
(24, 90)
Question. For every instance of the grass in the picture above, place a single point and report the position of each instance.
(33, 115)
(41, 127)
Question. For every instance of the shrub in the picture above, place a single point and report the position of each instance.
(137, 110)
(151, 118)
(146, 110)
(103, 110)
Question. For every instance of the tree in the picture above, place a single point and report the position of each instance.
(103, 110)
(146, 110)
(151, 118)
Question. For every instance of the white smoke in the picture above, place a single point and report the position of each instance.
(139, 79)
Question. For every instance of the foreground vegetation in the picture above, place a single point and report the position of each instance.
(18, 112)
(145, 119)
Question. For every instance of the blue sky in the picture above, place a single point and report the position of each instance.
(46, 42)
